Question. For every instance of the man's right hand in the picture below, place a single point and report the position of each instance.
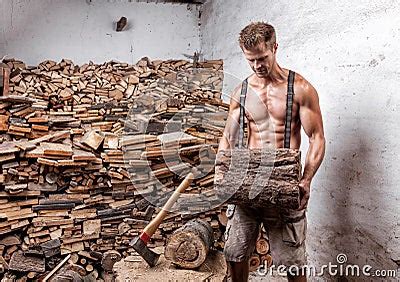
(304, 193)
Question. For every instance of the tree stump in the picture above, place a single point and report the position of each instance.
(259, 177)
(188, 246)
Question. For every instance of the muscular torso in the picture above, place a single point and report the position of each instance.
(266, 114)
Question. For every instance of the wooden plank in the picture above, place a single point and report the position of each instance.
(83, 237)
(137, 139)
(20, 194)
(80, 155)
(56, 149)
(6, 82)
(93, 139)
(18, 99)
(7, 157)
(92, 227)
(45, 187)
(3, 123)
(49, 222)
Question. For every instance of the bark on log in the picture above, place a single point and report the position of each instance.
(259, 177)
(188, 246)
(51, 248)
(20, 262)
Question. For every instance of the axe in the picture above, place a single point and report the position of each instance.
(140, 243)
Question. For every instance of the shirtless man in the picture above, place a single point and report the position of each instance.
(266, 114)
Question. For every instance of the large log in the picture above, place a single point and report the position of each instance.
(188, 246)
(259, 177)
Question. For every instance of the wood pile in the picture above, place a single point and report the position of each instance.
(85, 149)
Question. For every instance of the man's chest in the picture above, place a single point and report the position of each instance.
(268, 104)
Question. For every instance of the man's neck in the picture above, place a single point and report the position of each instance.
(276, 75)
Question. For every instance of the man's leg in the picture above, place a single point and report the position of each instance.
(240, 239)
(297, 278)
(239, 271)
(287, 233)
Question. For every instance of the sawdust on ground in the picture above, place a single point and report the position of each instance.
(133, 268)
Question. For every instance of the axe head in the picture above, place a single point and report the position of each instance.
(141, 248)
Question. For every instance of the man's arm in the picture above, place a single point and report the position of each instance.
(231, 131)
(311, 120)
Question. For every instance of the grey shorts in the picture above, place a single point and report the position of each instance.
(286, 230)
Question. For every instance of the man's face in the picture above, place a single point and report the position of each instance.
(261, 59)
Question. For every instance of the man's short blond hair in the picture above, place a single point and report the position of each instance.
(255, 33)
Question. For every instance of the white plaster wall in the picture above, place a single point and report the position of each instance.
(83, 30)
(349, 51)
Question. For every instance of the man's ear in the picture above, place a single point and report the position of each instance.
(275, 47)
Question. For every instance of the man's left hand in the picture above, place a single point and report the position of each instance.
(304, 193)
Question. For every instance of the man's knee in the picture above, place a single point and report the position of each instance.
(238, 264)
(235, 255)
(239, 267)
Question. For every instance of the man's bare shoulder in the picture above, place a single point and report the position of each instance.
(235, 95)
(304, 90)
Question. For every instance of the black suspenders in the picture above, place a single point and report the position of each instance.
(242, 111)
(289, 108)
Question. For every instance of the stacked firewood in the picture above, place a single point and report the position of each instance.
(88, 153)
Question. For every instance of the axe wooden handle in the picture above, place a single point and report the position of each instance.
(149, 230)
